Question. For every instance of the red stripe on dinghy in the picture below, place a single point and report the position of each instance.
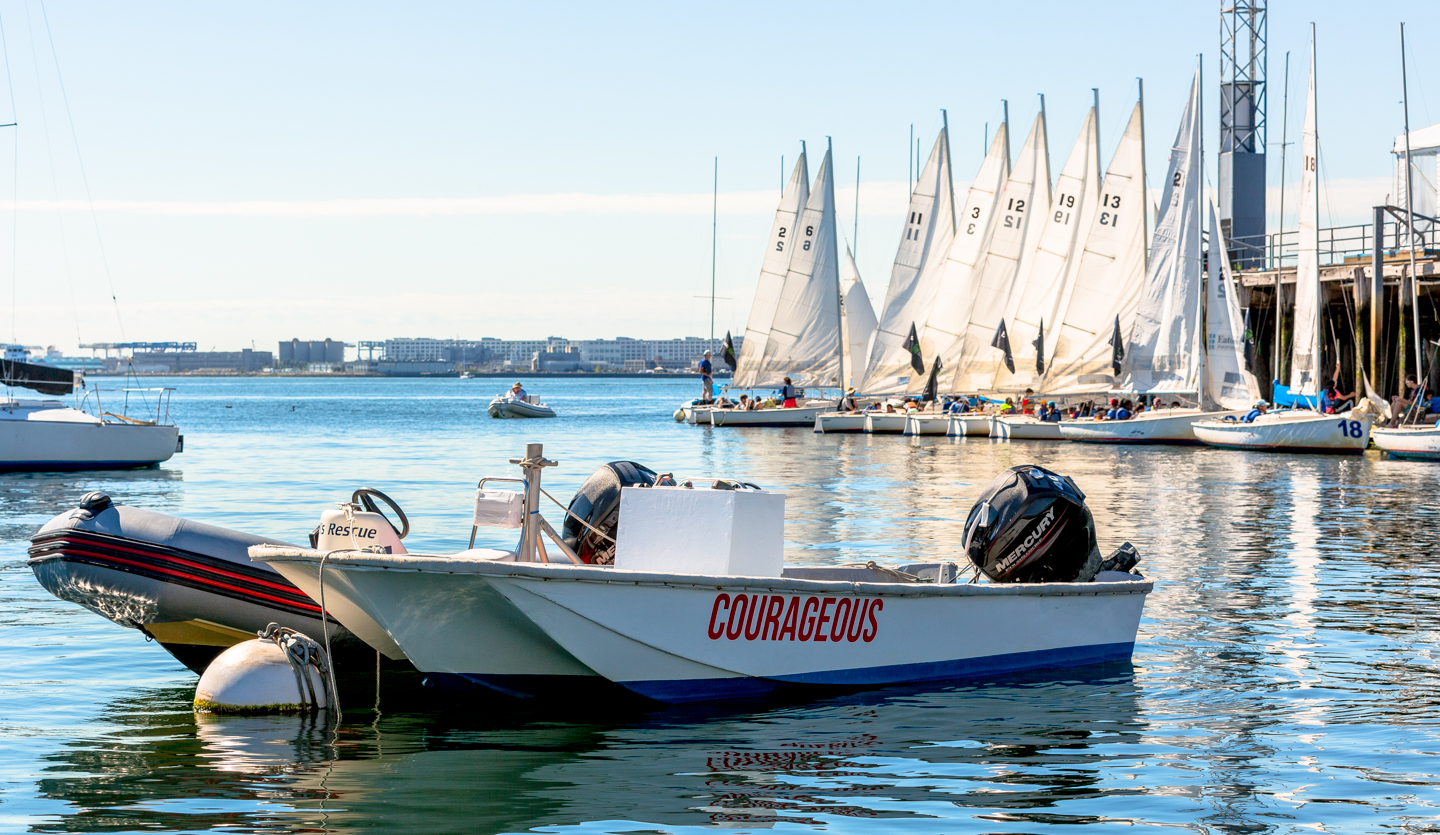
(104, 558)
(285, 587)
(706, 689)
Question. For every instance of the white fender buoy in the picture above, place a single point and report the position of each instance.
(281, 672)
(680, 414)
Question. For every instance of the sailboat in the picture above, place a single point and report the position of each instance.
(858, 328)
(805, 340)
(1300, 430)
(1177, 336)
(47, 435)
(1039, 286)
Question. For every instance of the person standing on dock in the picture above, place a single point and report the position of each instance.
(707, 381)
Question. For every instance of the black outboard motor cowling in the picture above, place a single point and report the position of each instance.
(598, 503)
(1032, 526)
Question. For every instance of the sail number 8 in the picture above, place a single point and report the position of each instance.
(1351, 428)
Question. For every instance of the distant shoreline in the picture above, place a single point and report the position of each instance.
(522, 375)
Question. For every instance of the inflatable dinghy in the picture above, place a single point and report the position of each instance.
(505, 406)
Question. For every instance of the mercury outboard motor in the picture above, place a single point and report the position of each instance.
(1032, 526)
(598, 503)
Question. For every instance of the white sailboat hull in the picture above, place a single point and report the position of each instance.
(683, 638)
(1421, 443)
(977, 425)
(937, 424)
(885, 424)
(1023, 428)
(832, 422)
(41, 444)
(798, 416)
(1290, 431)
(1171, 426)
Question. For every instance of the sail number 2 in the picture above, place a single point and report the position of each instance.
(1351, 428)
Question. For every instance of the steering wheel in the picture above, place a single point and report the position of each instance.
(363, 498)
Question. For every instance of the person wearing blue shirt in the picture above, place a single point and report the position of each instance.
(706, 379)
(1260, 407)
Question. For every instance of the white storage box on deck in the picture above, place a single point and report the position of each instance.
(499, 509)
(678, 530)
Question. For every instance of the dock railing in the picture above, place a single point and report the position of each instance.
(1339, 244)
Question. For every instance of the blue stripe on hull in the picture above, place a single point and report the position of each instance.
(695, 690)
(1413, 456)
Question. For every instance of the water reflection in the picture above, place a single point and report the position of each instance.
(1034, 751)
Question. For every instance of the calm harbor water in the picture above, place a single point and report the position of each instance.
(1285, 678)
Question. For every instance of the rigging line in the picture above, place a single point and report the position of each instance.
(54, 180)
(14, 187)
(94, 218)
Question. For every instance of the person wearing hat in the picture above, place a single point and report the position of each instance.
(517, 392)
(707, 381)
(1260, 407)
(847, 403)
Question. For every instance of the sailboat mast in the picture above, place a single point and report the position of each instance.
(714, 243)
(1203, 352)
(945, 128)
(839, 295)
(855, 237)
(1410, 215)
(1279, 247)
(1144, 181)
(1099, 169)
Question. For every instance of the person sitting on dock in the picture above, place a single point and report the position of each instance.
(1260, 408)
(707, 381)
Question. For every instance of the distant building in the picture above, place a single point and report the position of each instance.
(622, 352)
(302, 351)
(242, 361)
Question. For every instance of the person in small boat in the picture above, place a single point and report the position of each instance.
(1401, 402)
(788, 394)
(847, 402)
(1332, 400)
(707, 381)
(1027, 402)
(517, 392)
(1261, 407)
(1049, 413)
(744, 404)
(1009, 407)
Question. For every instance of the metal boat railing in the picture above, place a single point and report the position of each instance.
(156, 413)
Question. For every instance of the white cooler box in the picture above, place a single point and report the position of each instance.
(680, 530)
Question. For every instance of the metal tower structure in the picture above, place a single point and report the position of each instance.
(1242, 129)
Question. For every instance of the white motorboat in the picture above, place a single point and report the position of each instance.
(507, 406)
(927, 424)
(976, 424)
(832, 422)
(1291, 430)
(679, 618)
(885, 423)
(1418, 442)
(780, 416)
(1167, 426)
(1023, 428)
(106, 429)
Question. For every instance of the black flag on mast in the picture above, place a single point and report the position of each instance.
(932, 385)
(1039, 344)
(1117, 347)
(1002, 341)
(912, 344)
(728, 354)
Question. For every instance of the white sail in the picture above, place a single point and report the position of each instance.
(1226, 383)
(1305, 347)
(1044, 274)
(804, 340)
(1163, 349)
(953, 291)
(929, 230)
(1109, 275)
(772, 274)
(967, 355)
(858, 320)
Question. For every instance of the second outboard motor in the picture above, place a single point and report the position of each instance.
(598, 503)
(1032, 526)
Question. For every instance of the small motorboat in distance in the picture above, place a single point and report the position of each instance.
(628, 597)
(515, 403)
(105, 429)
(1421, 443)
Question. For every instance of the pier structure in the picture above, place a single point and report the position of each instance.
(1365, 295)
(1242, 129)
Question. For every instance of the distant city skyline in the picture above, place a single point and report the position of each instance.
(361, 169)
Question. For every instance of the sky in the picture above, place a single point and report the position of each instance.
(239, 174)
